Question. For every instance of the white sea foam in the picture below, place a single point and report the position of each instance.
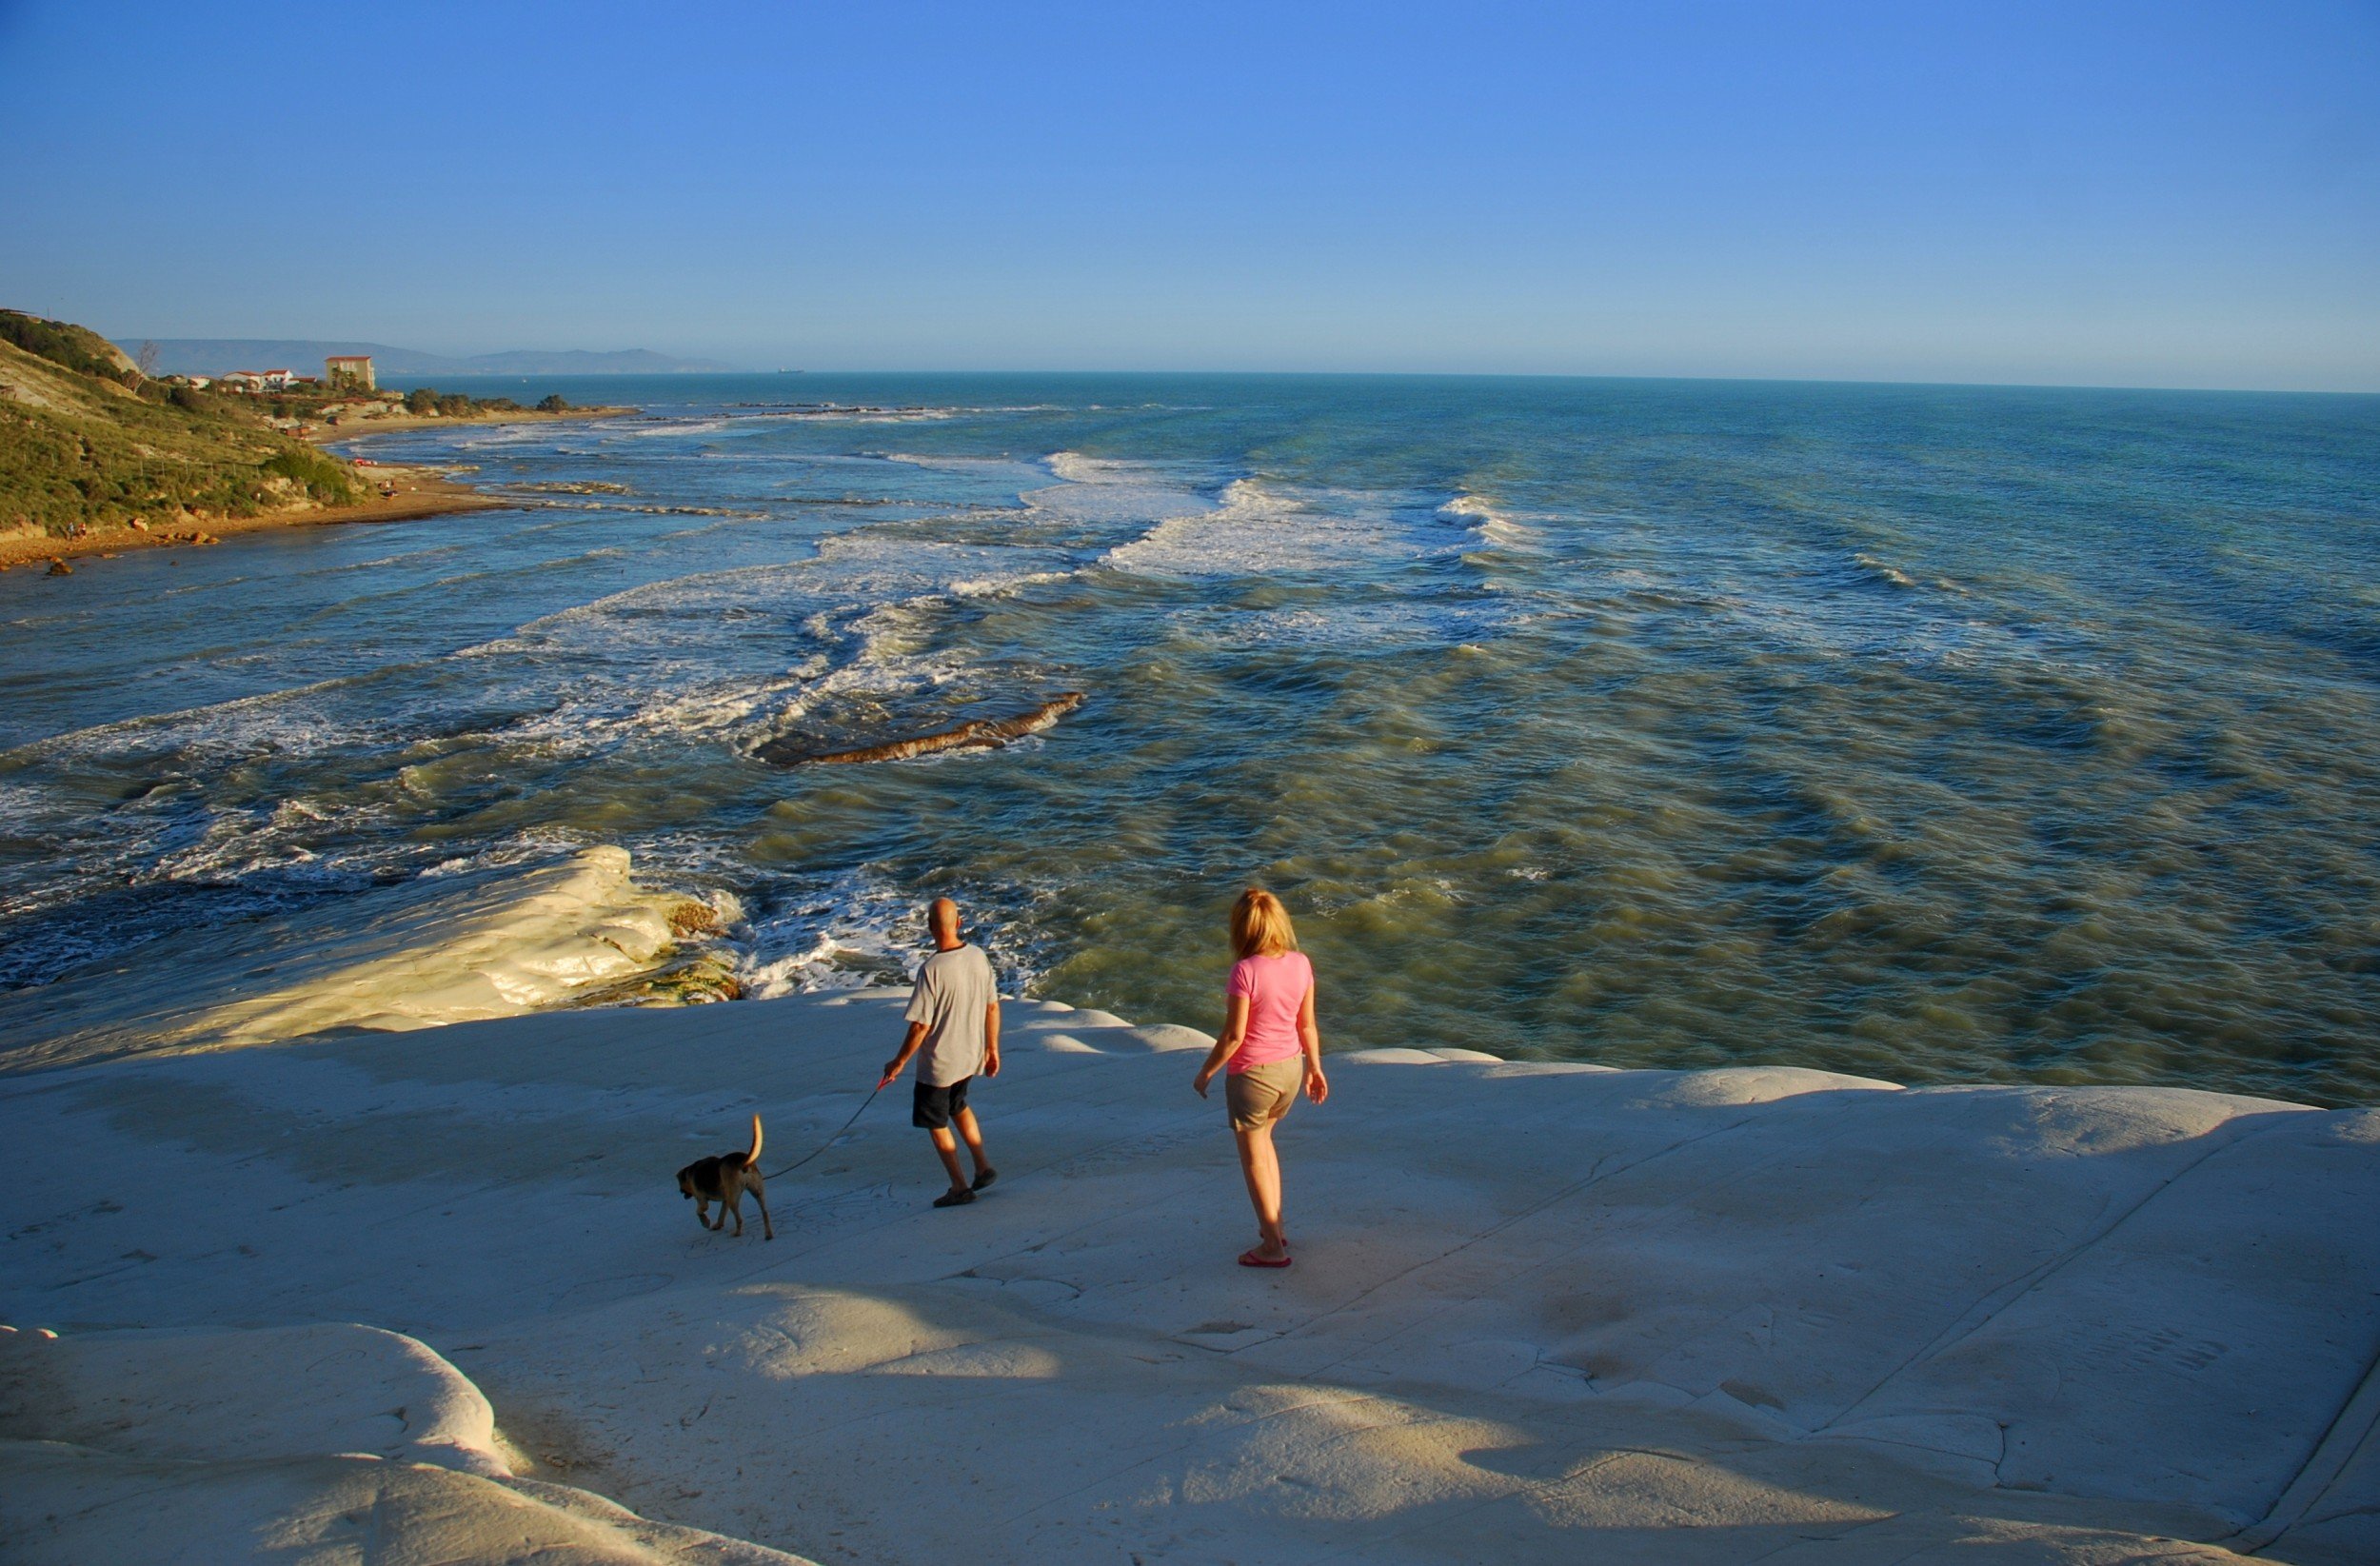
(859, 928)
(643, 660)
(853, 929)
(1260, 530)
(858, 629)
(878, 600)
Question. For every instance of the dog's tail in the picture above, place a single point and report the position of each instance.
(752, 1159)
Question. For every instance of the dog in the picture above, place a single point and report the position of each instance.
(723, 1180)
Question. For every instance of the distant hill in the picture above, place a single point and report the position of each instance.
(88, 443)
(221, 355)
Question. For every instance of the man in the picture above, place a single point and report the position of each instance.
(954, 1018)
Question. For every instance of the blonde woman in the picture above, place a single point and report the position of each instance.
(1270, 1045)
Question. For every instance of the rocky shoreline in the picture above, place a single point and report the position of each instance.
(574, 930)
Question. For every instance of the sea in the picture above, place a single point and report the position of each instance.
(1938, 734)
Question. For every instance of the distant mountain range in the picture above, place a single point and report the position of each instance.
(221, 355)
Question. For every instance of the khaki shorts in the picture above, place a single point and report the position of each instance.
(1262, 1094)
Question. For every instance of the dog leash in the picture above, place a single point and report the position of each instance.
(830, 1141)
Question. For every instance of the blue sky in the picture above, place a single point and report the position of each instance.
(2168, 194)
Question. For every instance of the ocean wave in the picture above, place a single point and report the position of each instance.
(1884, 570)
(1118, 500)
(1408, 621)
(602, 717)
(583, 507)
(292, 721)
(880, 568)
(664, 427)
(1074, 468)
(1491, 525)
(941, 464)
(887, 413)
(1000, 587)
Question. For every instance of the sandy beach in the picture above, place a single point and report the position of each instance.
(435, 1288)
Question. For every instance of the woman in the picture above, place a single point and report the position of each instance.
(1270, 1044)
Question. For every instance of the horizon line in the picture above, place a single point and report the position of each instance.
(1441, 375)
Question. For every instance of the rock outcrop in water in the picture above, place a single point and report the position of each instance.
(976, 734)
(436, 949)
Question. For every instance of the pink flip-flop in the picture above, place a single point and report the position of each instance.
(1257, 1258)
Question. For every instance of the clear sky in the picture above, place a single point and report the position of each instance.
(2148, 194)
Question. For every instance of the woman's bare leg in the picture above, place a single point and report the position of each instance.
(1261, 1166)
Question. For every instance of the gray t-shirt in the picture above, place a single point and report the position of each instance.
(955, 989)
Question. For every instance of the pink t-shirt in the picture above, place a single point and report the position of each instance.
(1276, 987)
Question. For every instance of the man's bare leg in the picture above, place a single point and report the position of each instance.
(1262, 1165)
(947, 1145)
(973, 1134)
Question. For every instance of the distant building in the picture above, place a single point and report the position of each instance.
(262, 380)
(353, 370)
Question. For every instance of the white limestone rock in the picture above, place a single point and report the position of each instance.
(1540, 1312)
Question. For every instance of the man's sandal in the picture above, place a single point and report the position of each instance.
(1258, 1259)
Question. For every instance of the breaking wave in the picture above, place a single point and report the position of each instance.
(1483, 519)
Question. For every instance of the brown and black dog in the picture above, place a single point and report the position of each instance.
(723, 1180)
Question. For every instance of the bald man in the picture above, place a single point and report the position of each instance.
(954, 1018)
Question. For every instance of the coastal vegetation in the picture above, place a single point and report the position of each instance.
(97, 453)
(423, 402)
(312, 407)
(70, 345)
(88, 443)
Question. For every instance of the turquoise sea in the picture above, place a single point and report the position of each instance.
(1930, 733)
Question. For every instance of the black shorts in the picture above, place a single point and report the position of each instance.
(931, 1108)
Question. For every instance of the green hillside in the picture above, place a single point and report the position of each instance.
(87, 442)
